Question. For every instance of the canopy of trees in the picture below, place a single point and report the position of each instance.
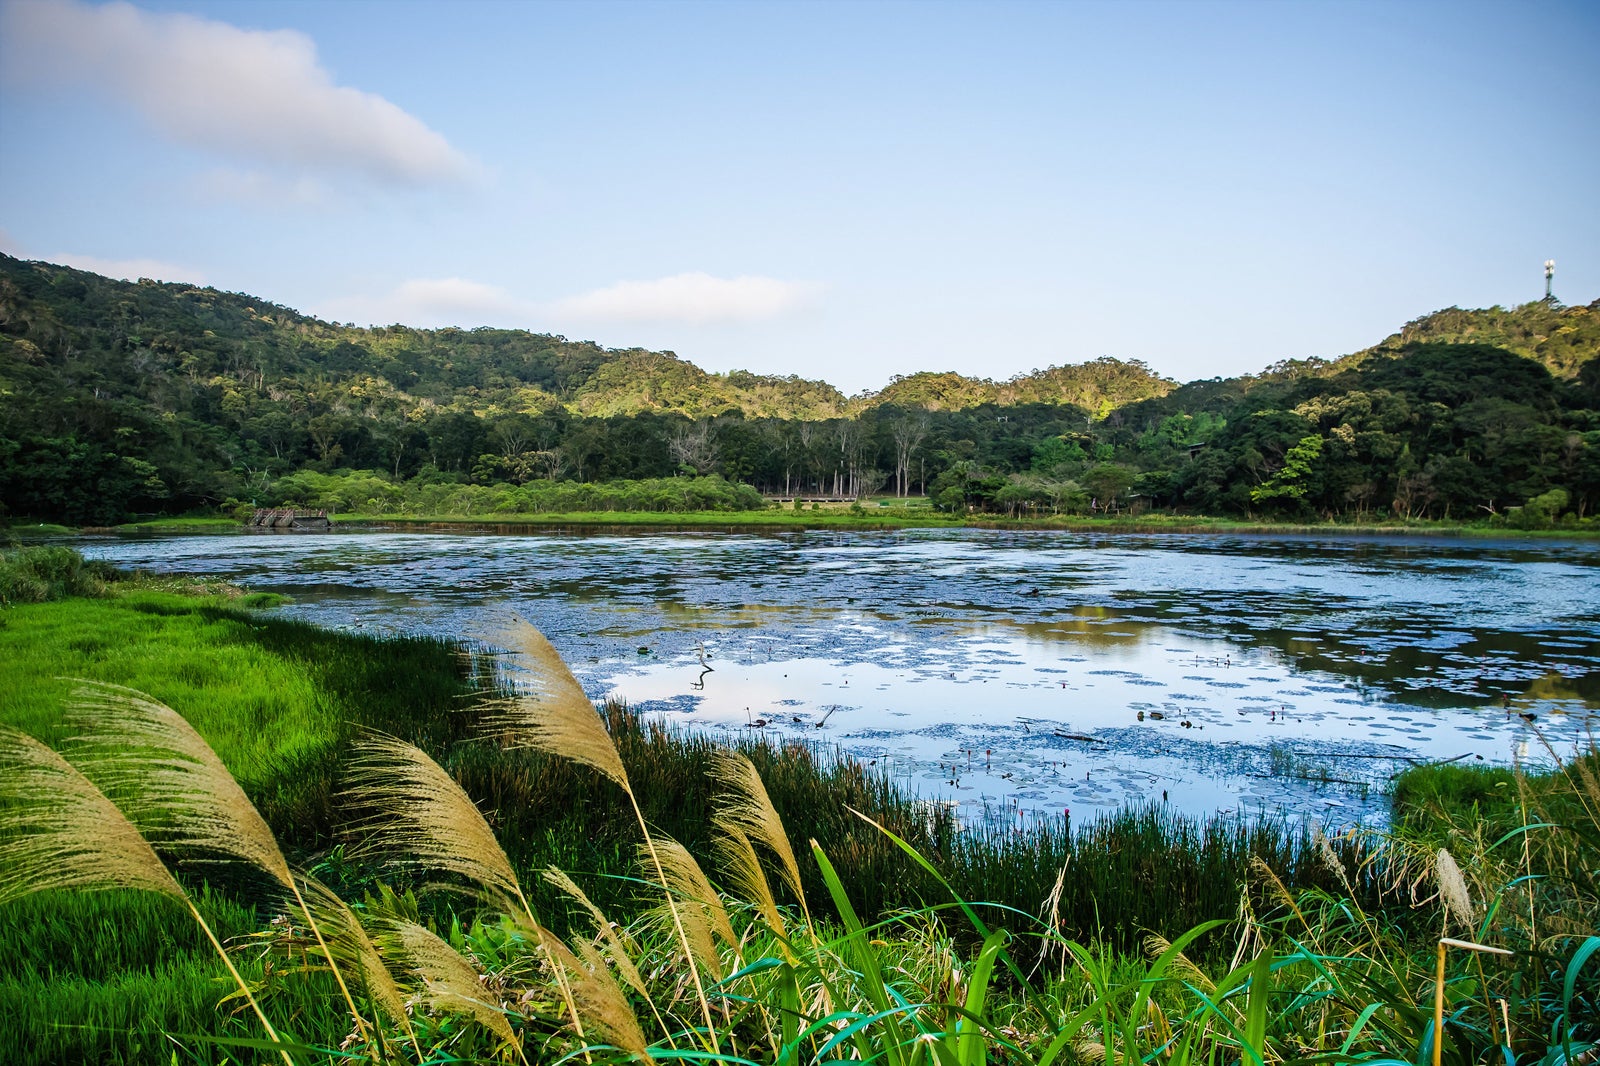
(124, 398)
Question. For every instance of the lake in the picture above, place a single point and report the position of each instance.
(1013, 673)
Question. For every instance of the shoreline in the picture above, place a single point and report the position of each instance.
(837, 519)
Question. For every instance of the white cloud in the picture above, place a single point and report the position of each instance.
(428, 302)
(126, 269)
(696, 298)
(257, 95)
(261, 189)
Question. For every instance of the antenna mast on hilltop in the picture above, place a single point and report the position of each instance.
(1549, 276)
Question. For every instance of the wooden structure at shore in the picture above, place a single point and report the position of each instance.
(289, 518)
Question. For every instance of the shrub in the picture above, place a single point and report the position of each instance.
(44, 573)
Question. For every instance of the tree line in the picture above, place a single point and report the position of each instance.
(137, 398)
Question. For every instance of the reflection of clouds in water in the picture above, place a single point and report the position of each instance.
(1283, 637)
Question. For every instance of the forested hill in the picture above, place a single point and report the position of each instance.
(120, 398)
(203, 333)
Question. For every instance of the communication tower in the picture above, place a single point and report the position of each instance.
(1549, 277)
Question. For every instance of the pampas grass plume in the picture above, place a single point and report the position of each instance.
(416, 814)
(168, 778)
(749, 810)
(61, 832)
(556, 717)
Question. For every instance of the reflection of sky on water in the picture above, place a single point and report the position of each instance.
(1011, 668)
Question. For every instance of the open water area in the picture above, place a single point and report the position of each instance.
(1013, 673)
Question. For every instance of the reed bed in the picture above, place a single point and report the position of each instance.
(527, 878)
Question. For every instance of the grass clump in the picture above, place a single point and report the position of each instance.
(457, 869)
(698, 972)
(44, 573)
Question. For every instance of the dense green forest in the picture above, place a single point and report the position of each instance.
(124, 399)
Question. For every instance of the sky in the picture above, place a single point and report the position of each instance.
(846, 191)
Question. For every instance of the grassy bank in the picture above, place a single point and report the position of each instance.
(280, 700)
(1293, 949)
(886, 514)
(899, 515)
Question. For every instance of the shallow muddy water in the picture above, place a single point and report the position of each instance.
(1015, 672)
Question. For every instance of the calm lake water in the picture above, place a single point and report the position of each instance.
(1014, 672)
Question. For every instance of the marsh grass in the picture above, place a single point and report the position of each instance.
(903, 939)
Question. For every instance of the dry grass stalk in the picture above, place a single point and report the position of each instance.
(63, 832)
(603, 929)
(1181, 965)
(562, 962)
(449, 982)
(1330, 858)
(1277, 889)
(560, 720)
(694, 904)
(601, 1002)
(738, 857)
(416, 815)
(748, 808)
(1453, 891)
(556, 717)
(350, 945)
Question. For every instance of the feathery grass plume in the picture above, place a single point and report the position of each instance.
(603, 928)
(601, 1002)
(1277, 889)
(176, 787)
(556, 717)
(62, 832)
(1453, 890)
(694, 903)
(749, 808)
(560, 720)
(168, 779)
(1330, 858)
(347, 939)
(738, 857)
(416, 815)
(1181, 965)
(449, 982)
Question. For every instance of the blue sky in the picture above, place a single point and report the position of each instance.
(846, 191)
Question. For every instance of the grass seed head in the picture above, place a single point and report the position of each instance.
(416, 815)
(168, 779)
(61, 832)
(448, 981)
(748, 809)
(556, 717)
(1453, 890)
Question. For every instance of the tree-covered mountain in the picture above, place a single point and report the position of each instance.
(149, 397)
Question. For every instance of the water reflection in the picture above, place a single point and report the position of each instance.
(1028, 671)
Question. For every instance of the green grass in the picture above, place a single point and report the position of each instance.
(277, 698)
(179, 524)
(103, 978)
(125, 977)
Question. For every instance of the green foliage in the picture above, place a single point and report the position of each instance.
(133, 400)
(1296, 949)
(1292, 481)
(44, 573)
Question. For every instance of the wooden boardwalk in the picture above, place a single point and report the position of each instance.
(289, 518)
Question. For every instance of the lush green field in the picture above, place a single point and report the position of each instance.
(1346, 928)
